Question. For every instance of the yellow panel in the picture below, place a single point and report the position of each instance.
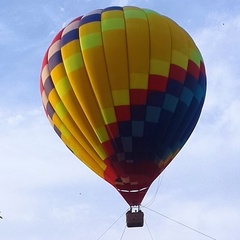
(69, 105)
(138, 81)
(81, 121)
(94, 59)
(121, 97)
(65, 131)
(87, 156)
(97, 73)
(109, 115)
(61, 110)
(192, 44)
(91, 40)
(179, 38)
(89, 28)
(134, 12)
(81, 86)
(112, 14)
(159, 67)
(160, 47)
(115, 50)
(94, 149)
(112, 24)
(70, 49)
(73, 62)
(63, 87)
(180, 59)
(58, 72)
(195, 56)
(57, 104)
(137, 32)
(102, 134)
(86, 98)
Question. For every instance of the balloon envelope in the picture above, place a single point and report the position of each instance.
(123, 87)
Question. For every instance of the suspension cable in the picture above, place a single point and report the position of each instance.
(123, 232)
(184, 225)
(160, 179)
(111, 226)
(148, 230)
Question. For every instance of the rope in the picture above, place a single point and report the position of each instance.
(184, 225)
(123, 232)
(111, 226)
(160, 179)
(148, 230)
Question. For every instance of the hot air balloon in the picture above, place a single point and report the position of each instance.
(123, 87)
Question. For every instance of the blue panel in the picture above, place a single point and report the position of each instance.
(125, 129)
(192, 123)
(199, 93)
(49, 109)
(127, 144)
(70, 36)
(162, 127)
(90, 18)
(190, 81)
(150, 129)
(121, 156)
(129, 157)
(48, 85)
(153, 114)
(137, 128)
(188, 120)
(138, 112)
(168, 151)
(202, 80)
(186, 96)
(55, 59)
(174, 88)
(174, 131)
(117, 145)
(57, 131)
(170, 103)
(155, 98)
(141, 151)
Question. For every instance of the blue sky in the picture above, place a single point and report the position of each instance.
(46, 193)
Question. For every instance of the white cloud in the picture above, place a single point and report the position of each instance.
(15, 120)
(220, 47)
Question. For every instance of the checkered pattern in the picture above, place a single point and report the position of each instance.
(123, 88)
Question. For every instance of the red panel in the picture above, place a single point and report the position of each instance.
(122, 113)
(177, 73)
(138, 96)
(193, 69)
(108, 148)
(157, 83)
(112, 130)
(109, 173)
(140, 176)
(202, 68)
(41, 87)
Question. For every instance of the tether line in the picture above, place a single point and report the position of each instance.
(110, 227)
(184, 225)
(123, 232)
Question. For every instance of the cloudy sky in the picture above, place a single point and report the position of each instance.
(46, 193)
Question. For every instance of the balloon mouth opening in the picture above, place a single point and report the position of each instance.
(133, 197)
(132, 191)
